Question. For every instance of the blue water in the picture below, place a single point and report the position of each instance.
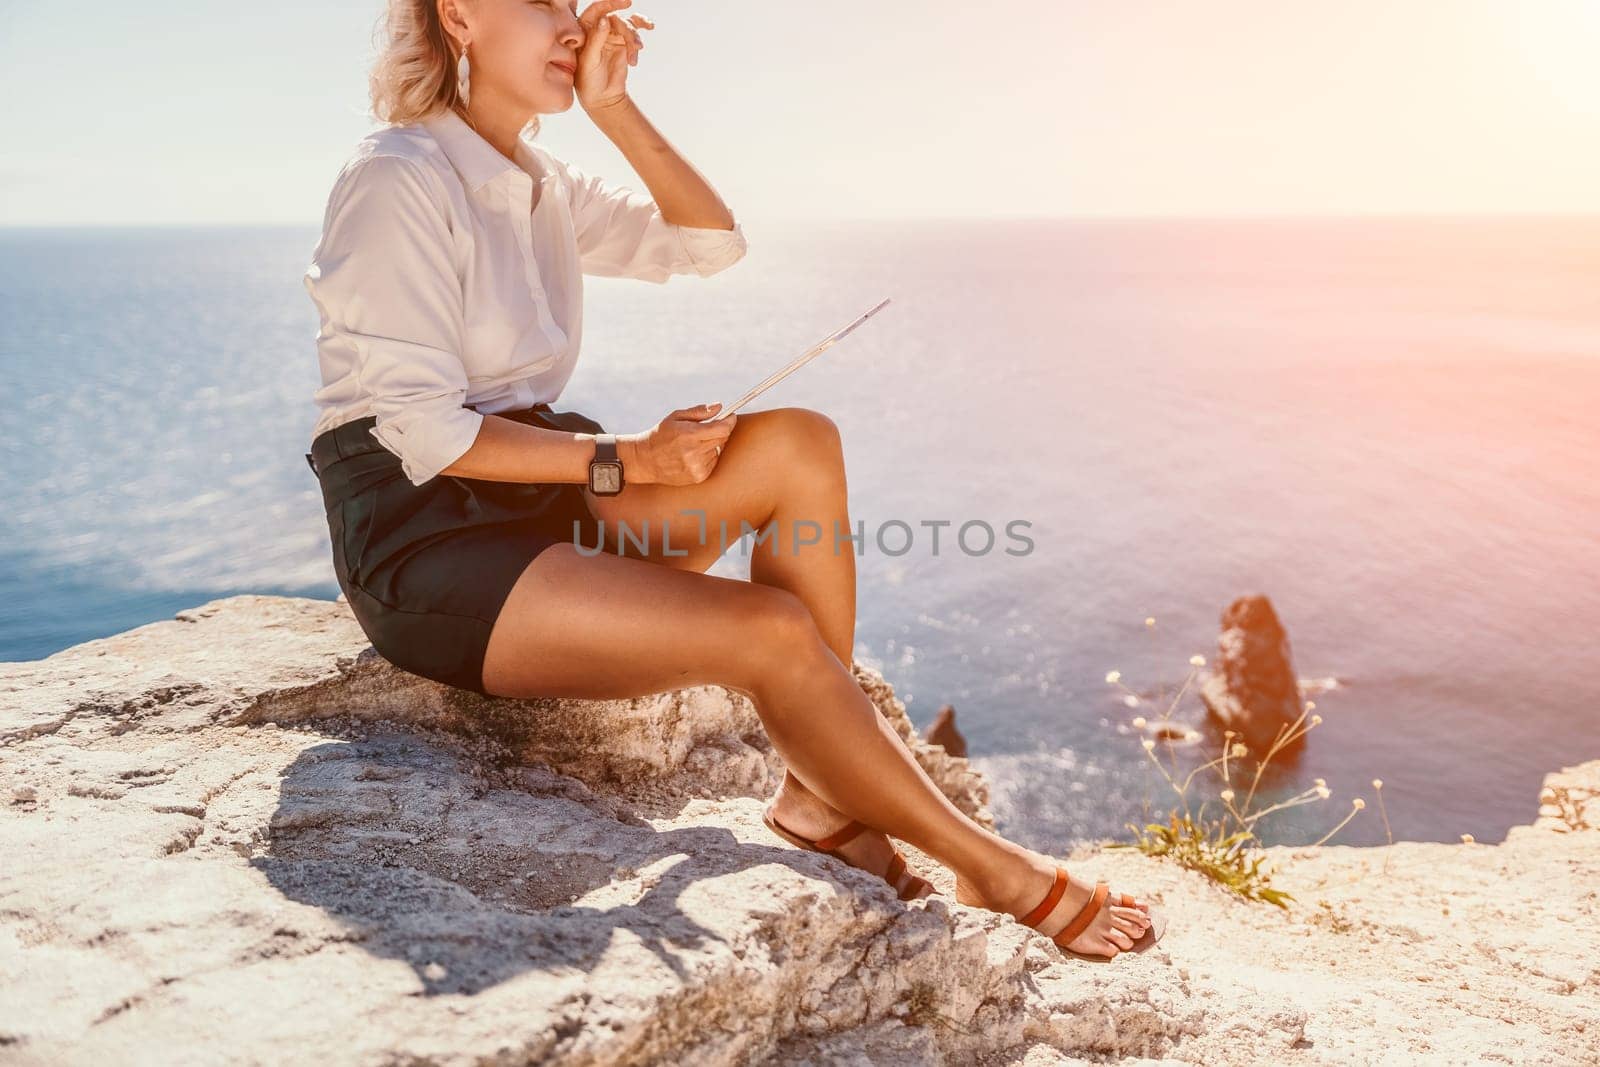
(1386, 426)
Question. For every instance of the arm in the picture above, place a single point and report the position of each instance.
(684, 197)
(682, 226)
(624, 234)
(511, 451)
(384, 280)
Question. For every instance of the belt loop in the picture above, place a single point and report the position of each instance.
(312, 463)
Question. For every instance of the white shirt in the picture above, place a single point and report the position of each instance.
(444, 280)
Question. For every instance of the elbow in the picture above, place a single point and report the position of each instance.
(714, 251)
(427, 442)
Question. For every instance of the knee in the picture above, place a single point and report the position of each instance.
(813, 428)
(812, 446)
(780, 632)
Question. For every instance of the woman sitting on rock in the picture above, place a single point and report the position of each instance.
(462, 508)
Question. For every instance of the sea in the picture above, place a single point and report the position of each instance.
(1114, 428)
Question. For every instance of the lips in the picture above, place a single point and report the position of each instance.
(566, 67)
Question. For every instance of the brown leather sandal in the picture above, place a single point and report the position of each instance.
(830, 844)
(1080, 922)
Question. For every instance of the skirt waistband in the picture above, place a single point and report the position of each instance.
(354, 438)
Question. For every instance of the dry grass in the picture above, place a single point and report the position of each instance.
(1221, 840)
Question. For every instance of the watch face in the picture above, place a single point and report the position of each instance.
(606, 478)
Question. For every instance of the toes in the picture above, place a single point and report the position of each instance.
(1139, 918)
(1140, 907)
(1108, 948)
(1132, 925)
(1118, 938)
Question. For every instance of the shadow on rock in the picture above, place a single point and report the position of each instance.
(472, 873)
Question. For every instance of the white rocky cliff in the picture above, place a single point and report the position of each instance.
(240, 836)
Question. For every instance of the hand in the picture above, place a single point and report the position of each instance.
(678, 450)
(610, 47)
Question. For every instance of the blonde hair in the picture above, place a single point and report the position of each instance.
(415, 72)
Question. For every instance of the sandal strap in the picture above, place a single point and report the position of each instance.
(914, 887)
(844, 835)
(1080, 922)
(1051, 899)
(897, 867)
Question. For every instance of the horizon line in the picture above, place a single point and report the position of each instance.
(1258, 216)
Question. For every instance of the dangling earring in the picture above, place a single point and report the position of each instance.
(463, 77)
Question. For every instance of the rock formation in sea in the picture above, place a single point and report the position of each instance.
(942, 732)
(1251, 687)
(240, 836)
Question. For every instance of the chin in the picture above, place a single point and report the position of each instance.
(554, 103)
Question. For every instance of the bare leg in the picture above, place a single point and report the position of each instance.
(604, 627)
(609, 627)
(782, 473)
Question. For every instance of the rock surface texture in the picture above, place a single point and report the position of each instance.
(240, 836)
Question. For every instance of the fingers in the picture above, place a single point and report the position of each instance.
(618, 30)
(627, 36)
(595, 12)
(708, 433)
(620, 34)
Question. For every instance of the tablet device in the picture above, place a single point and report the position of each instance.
(799, 361)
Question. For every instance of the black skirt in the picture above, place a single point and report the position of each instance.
(426, 568)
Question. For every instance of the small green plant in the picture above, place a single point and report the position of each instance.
(1207, 847)
(1225, 846)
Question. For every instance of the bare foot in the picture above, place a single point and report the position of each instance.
(870, 850)
(1024, 887)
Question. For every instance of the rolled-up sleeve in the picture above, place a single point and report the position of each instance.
(384, 280)
(622, 234)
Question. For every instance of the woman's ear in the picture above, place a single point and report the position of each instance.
(453, 21)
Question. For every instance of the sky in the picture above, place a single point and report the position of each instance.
(198, 112)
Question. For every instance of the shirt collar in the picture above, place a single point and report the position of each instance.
(475, 159)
